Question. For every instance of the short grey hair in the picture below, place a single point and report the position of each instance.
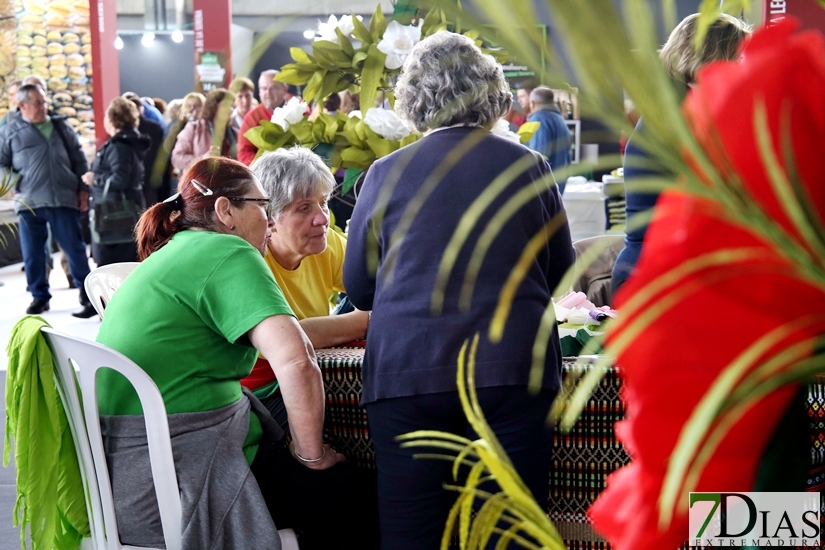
(542, 95)
(36, 80)
(23, 92)
(288, 175)
(447, 80)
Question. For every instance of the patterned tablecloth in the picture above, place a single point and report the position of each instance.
(582, 459)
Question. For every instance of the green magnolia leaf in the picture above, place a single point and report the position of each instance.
(314, 85)
(300, 56)
(325, 63)
(292, 76)
(329, 125)
(412, 138)
(360, 31)
(303, 132)
(346, 45)
(332, 83)
(382, 147)
(357, 157)
(431, 20)
(255, 138)
(378, 24)
(371, 77)
(358, 58)
(364, 132)
(472, 34)
(353, 138)
(332, 52)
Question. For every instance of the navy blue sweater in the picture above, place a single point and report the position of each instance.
(411, 351)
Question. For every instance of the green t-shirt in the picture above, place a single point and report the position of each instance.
(46, 127)
(183, 315)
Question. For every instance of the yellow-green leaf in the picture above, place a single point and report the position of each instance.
(292, 76)
(378, 24)
(382, 147)
(302, 131)
(332, 52)
(346, 45)
(410, 139)
(371, 77)
(357, 156)
(313, 85)
(300, 56)
(358, 58)
(430, 21)
(360, 31)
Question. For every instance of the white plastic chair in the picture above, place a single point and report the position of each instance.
(85, 426)
(101, 283)
(84, 423)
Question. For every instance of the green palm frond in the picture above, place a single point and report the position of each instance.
(514, 506)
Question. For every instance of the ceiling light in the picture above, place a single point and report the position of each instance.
(177, 36)
(118, 43)
(309, 34)
(148, 39)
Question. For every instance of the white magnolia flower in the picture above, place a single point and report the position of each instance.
(326, 31)
(386, 123)
(290, 113)
(502, 128)
(355, 114)
(397, 42)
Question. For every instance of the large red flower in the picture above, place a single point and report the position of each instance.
(721, 286)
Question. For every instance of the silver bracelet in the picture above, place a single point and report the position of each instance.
(314, 460)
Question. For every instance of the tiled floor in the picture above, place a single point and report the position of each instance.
(13, 302)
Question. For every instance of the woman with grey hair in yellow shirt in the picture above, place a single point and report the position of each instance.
(306, 257)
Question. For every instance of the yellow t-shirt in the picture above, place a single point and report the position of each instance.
(307, 289)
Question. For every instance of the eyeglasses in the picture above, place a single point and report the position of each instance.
(205, 191)
(269, 206)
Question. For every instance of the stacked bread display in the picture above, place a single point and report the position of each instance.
(51, 39)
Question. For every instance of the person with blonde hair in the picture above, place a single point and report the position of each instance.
(172, 112)
(212, 134)
(244, 91)
(681, 61)
(191, 107)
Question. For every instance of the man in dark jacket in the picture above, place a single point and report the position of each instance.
(154, 131)
(553, 138)
(44, 153)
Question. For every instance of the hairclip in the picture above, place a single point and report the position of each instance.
(201, 187)
(176, 200)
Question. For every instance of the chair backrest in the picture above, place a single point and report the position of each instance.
(84, 423)
(101, 283)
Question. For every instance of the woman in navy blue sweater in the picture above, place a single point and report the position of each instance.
(454, 93)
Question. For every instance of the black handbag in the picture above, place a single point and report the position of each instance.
(113, 221)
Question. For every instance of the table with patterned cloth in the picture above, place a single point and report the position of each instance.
(582, 458)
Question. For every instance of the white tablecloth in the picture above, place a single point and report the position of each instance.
(584, 203)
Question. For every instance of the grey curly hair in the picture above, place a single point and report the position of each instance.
(292, 174)
(447, 80)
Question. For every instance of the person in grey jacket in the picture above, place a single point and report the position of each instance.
(45, 156)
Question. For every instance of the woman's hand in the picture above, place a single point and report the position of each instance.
(329, 458)
(88, 178)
